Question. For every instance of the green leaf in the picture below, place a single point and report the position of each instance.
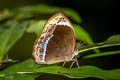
(39, 9)
(42, 9)
(112, 41)
(102, 54)
(81, 34)
(29, 66)
(51, 10)
(16, 76)
(36, 26)
(5, 14)
(72, 14)
(10, 35)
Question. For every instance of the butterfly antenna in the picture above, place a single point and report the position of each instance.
(81, 43)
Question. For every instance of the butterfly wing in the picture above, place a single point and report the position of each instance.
(56, 43)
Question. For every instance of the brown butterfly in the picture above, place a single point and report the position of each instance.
(56, 43)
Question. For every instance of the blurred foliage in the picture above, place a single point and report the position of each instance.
(10, 35)
(15, 23)
(29, 66)
(36, 26)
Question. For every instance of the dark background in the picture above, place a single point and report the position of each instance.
(99, 17)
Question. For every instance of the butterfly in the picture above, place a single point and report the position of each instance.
(56, 43)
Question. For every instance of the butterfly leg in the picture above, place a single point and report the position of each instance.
(63, 64)
(72, 63)
(75, 60)
(77, 63)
